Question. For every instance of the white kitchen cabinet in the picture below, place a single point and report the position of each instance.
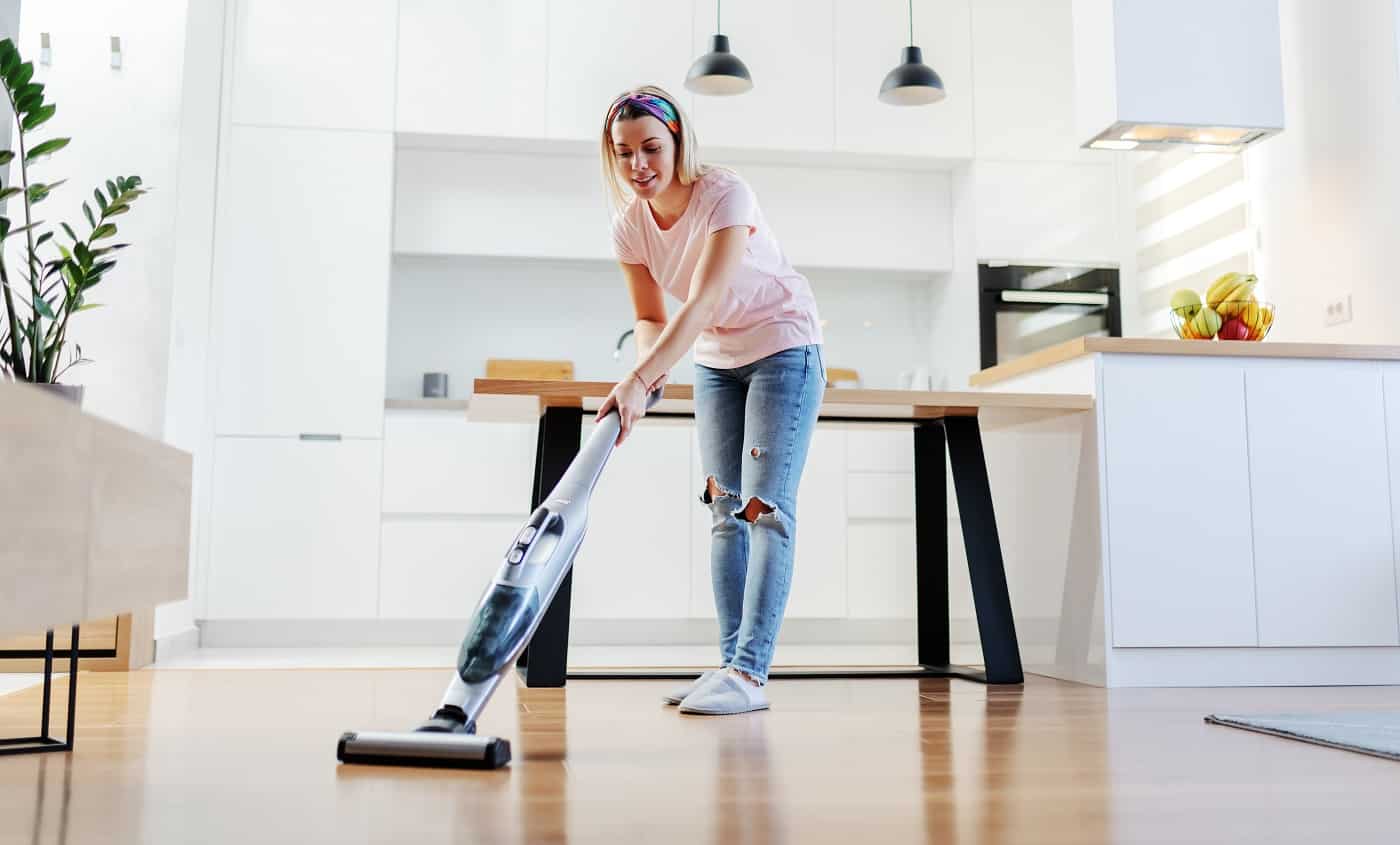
(824, 218)
(1166, 469)
(472, 67)
(1324, 556)
(881, 568)
(880, 448)
(787, 46)
(599, 49)
(635, 562)
(295, 529)
(438, 568)
(1023, 81)
(309, 63)
(1391, 384)
(1046, 211)
(436, 462)
(869, 40)
(881, 495)
(819, 560)
(302, 282)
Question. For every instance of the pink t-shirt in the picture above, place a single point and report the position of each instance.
(769, 306)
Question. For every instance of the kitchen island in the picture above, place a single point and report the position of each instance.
(1244, 527)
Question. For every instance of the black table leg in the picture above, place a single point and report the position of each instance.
(45, 742)
(1000, 652)
(931, 542)
(543, 661)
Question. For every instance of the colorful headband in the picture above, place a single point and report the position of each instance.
(652, 105)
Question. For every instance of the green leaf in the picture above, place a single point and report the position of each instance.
(42, 238)
(88, 307)
(38, 118)
(9, 192)
(37, 193)
(98, 269)
(21, 75)
(87, 212)
(69, 231)
(42, 306)
(49, 147)
(28, 103)
(4, 227)
(115, 209)
(9, 57)
(84, 256)
(112, 189)
(106, 230)
(6, 156)
(101, 200)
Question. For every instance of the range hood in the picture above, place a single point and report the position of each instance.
(1200, 74)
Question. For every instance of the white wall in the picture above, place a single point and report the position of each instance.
(122, 121)
(449, 314)
(1326, 191)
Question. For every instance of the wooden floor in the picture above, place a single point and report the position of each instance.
(245, 756)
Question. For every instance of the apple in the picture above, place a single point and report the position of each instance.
(1234, 329)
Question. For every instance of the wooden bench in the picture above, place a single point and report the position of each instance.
(947, 429)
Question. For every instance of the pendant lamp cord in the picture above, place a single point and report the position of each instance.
(718, 28)
(911, 22)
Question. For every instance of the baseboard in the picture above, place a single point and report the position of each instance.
(1249, 667)
(340, 633)
(176, 644)
(310, 633)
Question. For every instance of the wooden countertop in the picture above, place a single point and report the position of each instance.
(516, 398)
(1078, 347)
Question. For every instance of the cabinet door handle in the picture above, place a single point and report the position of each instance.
(309, 436)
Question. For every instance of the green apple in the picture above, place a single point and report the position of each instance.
(1186, 303)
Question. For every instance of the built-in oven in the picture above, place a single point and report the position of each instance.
(1025, 308)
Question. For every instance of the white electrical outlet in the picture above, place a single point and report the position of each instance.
(1338, 311)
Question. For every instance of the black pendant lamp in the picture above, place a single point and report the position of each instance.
(912, 83)
(718, 72)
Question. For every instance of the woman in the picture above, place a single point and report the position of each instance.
(696, 232)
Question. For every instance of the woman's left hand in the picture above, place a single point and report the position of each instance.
(629, 396)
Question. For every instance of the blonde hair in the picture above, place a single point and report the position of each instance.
(688, 165)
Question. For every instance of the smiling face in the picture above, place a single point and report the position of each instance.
(644, 155)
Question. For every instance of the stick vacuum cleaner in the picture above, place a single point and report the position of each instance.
(505, 618)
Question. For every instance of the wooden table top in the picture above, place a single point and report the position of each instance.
(836, 403)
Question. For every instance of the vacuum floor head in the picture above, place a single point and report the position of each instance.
(420, 748)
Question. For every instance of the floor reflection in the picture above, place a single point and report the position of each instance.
(748, 797)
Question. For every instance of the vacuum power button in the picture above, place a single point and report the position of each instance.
(515, 556)
(526, 535)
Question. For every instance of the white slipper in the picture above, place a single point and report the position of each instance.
(679, 695)
(724, 694)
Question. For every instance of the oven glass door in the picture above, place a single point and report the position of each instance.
(1027, 320)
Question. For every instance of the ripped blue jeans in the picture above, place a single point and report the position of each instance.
(755, 425)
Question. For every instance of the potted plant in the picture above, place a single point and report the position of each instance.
(46, 280)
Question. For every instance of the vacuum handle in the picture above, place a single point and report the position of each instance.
(583, 472)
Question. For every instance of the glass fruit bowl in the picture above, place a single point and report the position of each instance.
(1241, 320)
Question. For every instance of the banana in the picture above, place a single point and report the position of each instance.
(1231, 287)
(1205, 324)
(1220, 287)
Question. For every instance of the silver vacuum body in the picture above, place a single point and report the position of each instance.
(506, 616)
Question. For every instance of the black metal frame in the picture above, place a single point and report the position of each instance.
(543, 663)
(43, 742)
